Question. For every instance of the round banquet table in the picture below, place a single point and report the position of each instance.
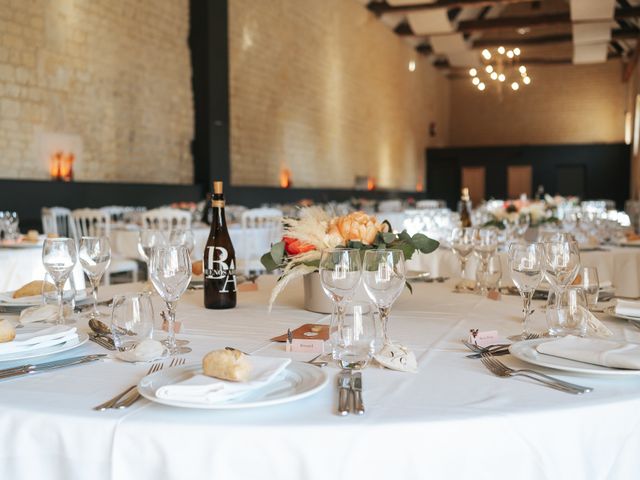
(452, 419)
(618, 265)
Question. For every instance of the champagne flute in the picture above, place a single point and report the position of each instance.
(95, 257)
(525, 263)
(59, 256)
(148, 239)
(170, 272)
(384, 278)
(340, 272)
(462, 246)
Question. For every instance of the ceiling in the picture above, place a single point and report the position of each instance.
(453, 33)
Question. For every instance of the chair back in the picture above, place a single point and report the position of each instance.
(429, 204)
(90, 222)
(387, 206)
(57, 221)
(166, 219)
(261, 218)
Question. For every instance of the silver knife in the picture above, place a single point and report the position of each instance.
(35, 368)
(344, 382)
(356, 387)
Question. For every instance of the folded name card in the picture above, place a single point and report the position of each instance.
(308, 331)
(305, 346)
(482, 339)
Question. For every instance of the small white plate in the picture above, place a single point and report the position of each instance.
(526, 351)
(297, 381)
(611, 310)
(6, 299)
(42, 352)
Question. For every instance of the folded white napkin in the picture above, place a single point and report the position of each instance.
(608, 353)
(200, 389)
(41, 338)
(41, 313)
(594, 326)
(147, 350)
(627, 308)
(397, 357)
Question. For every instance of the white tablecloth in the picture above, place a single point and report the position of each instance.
(619, 265)
(453, 419)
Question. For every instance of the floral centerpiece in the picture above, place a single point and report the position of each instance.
(304, 239)
(538, 213)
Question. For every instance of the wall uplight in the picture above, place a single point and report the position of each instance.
(412, 66)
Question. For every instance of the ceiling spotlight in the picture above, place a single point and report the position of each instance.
(486, 54)
(501, 77)
(488, 69)
(516, 51)
(481, 86)
(526, 80)
(473, 72)
(510, 54)
(515, 86)
(501, 50)
(475, 80)
(522, 69)
(494, 76)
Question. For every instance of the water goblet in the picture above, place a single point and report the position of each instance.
(131, 320)
(384, 278)
(59, 256)
(489, 275)
(561, 262)
(567, 312)
(462, 246)
(355, 337)
(591, 284)
(95, 257)
(170, 272)
(184, 237)
(69, 291)
(525, 263)
(148, 239)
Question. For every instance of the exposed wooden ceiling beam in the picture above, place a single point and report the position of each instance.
(631, 64)
(444, 64)
(383, 7)
(545, 40)
(502, 23)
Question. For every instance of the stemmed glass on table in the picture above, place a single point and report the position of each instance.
(462, 246)
(59, 256)
(384, 278)
(148, 239)
(95, 257)
(170, 273)
(525, 263)
(340, 272)
(485, 244)
(184, 237)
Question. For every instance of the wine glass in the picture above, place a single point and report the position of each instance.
(356, 337)
(462, 246)
(340, 272)
(384, 278)
(522, 225)
(591, 285)
(59, 256)
(567, 312)
(131, 320)
(184, 237)
(561, 263)
(525, 263)
(489, 275)
(95, 257)
(170, 272)
(485, 244)
(148, 239)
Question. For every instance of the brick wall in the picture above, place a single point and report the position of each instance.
(563, 104)
(114, 75)
(323, 88)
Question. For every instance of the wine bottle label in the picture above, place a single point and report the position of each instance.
(220, 268)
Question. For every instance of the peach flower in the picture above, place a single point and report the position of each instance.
(357, 227)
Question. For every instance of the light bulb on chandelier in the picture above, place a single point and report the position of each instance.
(473, 72)
(494, 76)
(515, 86)
(526, 80)
(475, 80)
(481, 86)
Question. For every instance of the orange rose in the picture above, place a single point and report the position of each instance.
(293, 246)
(357, 227)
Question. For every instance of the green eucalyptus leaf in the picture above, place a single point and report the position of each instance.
(423, 243)
(404, 235)
(267, 261)
(277, 252)
(388, 237)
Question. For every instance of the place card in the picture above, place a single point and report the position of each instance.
(308, 331)
(176, 326)
(305, 346)
(482, 339)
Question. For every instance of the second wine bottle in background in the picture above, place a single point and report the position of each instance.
(219, 258)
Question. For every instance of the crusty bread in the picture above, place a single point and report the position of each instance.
(33, 288)
(32, 236)
(227, 365)
(7, 331)
(196, 267)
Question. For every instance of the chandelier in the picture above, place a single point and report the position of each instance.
(502, 67)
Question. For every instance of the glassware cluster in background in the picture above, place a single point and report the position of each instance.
(355, 332)
(9, 225)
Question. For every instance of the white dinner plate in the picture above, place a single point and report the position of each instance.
(526, 351)
(21, 245)
(7, 300)
(611, 310)
(42, 352)
(297, 381)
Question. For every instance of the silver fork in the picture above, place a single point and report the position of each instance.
(135, 396)
(499, 369)
(110, 403)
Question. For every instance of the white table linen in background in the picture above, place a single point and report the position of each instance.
(452, 419)
(618, 265)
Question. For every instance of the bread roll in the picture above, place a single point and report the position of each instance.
(7, 331)
(225, 364)
(196, 267)
(32, 236)
(33, 288)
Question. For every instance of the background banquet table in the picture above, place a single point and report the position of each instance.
(452, 419)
